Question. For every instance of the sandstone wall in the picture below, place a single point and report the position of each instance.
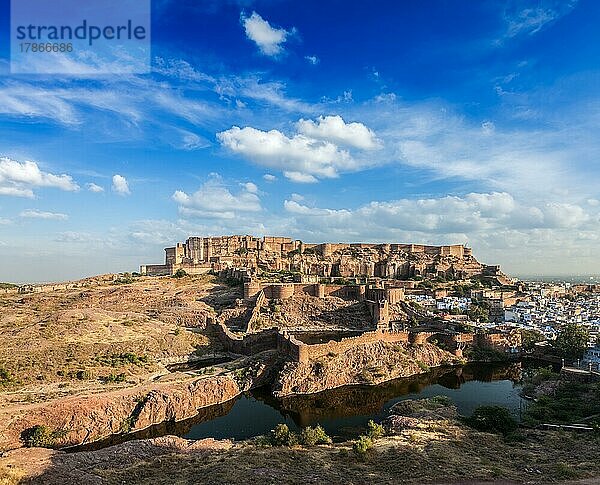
(301, 352)
(155, 270)
(255, 315)
(249, 344)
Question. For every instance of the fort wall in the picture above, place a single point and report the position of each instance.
(255, 315)
(155, 270)
(298, 351)
(249, 344)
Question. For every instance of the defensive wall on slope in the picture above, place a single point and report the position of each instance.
(299, 351)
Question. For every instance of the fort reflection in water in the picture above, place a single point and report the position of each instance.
(343, 412)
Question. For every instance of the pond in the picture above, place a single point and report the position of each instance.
(343, 412)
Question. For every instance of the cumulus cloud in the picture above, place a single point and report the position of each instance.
(250, 187)
(37, 214)
(269, 39)
(306, 156)
(20, 178)
(120, 185)
(92, 187)
(448, 216)
(298, 154)
(214, 200)
(269, 177)
(335, 129)
(299, 177)
(314, 60)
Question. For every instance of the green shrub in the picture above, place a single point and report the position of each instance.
(123, 280)
(362, 445)
(565, 471)
(492, 419)
(314, 436)
(374, 430)
(439, 401)
(41, 436)
(114, 378)
(6, 378)
(282, 436)
(83, 375)
(117, 360)
(180, 273)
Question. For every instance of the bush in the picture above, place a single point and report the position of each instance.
(282, 436)
(374, 430)
(180, 273)
(115, 378)
(361, 445)
(123, 280)
(6, 378)
(492, 419)
(314, 436)
(83, 375)
(41, 436)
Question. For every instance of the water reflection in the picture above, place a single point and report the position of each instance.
(343, 412)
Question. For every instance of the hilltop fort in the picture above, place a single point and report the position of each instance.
(391, 261)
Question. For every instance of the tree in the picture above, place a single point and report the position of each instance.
(479, 312)
(529, 338)
(492, 419)
(571, 341)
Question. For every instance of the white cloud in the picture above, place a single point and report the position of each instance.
(531, 19)
(314, 60)
(301, 158)
(447, 217)
(269, 177)
(190, 141)
(20, 178)
(28, 101)
(120, 185)
(269, 39)
(250, 187)
(442, 144)
(92, 187)
(36, 214)
(336, 130)
(214, 200)
(299, 177)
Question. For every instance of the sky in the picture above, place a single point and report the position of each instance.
(432, 122)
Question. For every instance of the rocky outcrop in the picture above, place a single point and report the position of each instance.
(366, 364)
(84, 419)
(89, 418)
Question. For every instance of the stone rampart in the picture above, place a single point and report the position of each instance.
(301, 352)
(155, 270)
(249, 344)
(255, 315)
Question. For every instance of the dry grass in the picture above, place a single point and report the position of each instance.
(441, 455)
(11, 475)
(48, 339)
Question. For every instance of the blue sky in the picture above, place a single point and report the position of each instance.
(435, 122)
